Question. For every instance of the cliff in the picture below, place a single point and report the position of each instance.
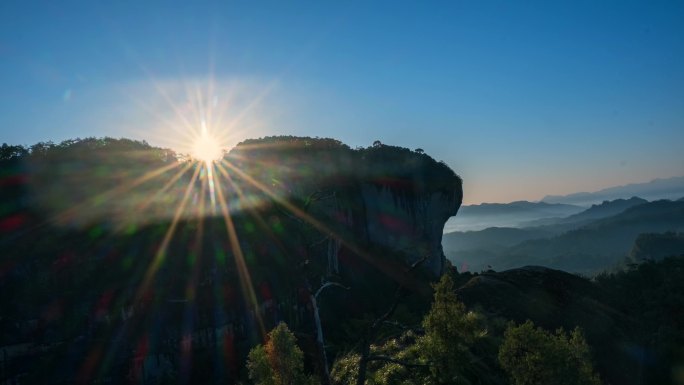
(116, 238)
(383, 197)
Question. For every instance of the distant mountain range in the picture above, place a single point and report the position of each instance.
(552, 208)
(666, 188)
(596, 239)
(514, 214)
(598, 211)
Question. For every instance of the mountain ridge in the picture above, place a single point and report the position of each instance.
(484, 215)
(585, 246)
(659, 188)
(596, 211)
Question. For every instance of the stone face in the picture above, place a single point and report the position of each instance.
(409, 225)
(381, 198)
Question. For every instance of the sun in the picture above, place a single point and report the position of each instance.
(206, 148)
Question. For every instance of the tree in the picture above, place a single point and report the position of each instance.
(279, 362)
(374, 328)
(440, 353)
(9, 152)
(449, 332)
(535, 356)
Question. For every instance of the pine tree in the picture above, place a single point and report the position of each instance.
(449, 331)
(279, 362)
(535, 356)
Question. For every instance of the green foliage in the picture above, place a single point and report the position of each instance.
(449, 332)
(277, 158)
(403, 349)
(345, 370)
(279, 362)
(534, 356)
(400, 165)
(442, 355)
(259, 368)
(9, 152)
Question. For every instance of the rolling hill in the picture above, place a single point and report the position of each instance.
(589, 248)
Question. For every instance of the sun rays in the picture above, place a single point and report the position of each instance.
(248, 207)
(203, 193)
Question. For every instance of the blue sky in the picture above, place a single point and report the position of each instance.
(522, 99)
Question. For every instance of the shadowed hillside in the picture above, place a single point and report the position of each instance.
(137, 258)
(633, 319)
(588, 242)
(657, 246)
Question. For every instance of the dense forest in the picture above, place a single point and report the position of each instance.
(291, 261)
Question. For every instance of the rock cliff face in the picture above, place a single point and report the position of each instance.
(382, 197)
(409, 225)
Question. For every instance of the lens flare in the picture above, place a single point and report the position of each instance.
(206, 147)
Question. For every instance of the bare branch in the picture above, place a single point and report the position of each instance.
(399, 294)
(417, 263)
(370, 334)
(328, 284)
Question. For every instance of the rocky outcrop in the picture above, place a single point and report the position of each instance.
(126, 239)
(409, 225)
(382, 197)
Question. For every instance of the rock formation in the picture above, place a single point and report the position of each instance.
(120, 239)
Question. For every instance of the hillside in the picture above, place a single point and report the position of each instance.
(588, 242)
(597, 211)
(656, 246)
(514, 214)
(639, 308)
(109, 237)
(492, 238)
(599, 244)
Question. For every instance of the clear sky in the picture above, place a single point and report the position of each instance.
(522, 100)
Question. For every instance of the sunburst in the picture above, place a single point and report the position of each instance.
(206, 147)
